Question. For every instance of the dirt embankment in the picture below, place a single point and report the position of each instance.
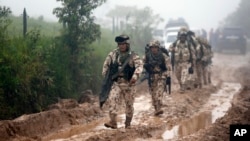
(35, 126)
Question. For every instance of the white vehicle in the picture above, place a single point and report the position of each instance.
(171, 29)
(170, 38)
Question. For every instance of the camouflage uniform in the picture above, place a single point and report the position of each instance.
(158, 67)
(206, 61)
(193, 79)
(199, 51)
(184, 56)
(122, 87)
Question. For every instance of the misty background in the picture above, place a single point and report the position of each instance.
(205, 14)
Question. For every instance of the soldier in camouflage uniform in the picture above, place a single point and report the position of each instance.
(184, 60)
(158, 66)
(206, 60)
(194, 79)
(199, 51)
(124, 85)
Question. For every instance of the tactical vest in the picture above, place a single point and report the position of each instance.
(156, 62)
(183, 54)
(126, 73)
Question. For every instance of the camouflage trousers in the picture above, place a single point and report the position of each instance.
(157, 88)
(207, 74)
(182, 74)
(199, 74)
(121, 91)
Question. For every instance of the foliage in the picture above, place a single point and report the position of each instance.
(51, 29)
(79, 31)
(24, 75)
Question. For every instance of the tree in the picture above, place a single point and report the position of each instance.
(79, 31)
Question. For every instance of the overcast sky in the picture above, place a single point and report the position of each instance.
(198, 13)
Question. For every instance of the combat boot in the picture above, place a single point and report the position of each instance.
(128, 121)
(112, 124)
(158, 110)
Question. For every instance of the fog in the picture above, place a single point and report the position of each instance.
(205, 14)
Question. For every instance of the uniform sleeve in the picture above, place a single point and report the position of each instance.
(138, 66)
(107, 63)
(168, 66)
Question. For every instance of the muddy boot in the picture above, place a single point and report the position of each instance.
(158, 110)
(112, 124)
(127, 122)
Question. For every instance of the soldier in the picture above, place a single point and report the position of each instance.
(206, 60)
(184, 59)
(194, 79)
(199, 51)
(128, 66)
(158, 66)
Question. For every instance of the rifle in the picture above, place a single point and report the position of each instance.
(106, 86)
(109, 78)
(173, 55)
(168, 82)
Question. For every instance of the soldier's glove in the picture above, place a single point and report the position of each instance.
(168, 80)
(190, 70)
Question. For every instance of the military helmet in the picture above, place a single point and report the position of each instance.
(183, 28)
(122, 39)
(182, 33)
(155, 43)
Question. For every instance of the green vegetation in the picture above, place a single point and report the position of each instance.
(58, 60)
(48, 29)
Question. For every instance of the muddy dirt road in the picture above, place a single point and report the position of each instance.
(198, 115)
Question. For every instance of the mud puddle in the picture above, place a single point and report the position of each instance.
(216, 107)
(82, 132)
